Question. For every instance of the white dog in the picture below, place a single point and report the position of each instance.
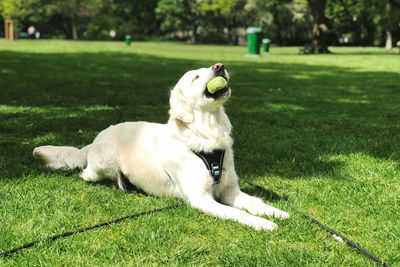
(171, 159)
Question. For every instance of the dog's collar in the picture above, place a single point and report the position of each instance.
(213, 161)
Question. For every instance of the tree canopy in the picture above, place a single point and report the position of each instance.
(286, 22)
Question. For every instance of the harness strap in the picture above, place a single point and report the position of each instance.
(213, 161)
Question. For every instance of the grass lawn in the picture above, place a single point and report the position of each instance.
(321, 131)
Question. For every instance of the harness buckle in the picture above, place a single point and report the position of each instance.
(215, 169)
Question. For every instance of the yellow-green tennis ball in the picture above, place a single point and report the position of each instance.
(216, 84)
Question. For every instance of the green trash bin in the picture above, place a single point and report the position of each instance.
(266, 43)
(128, 40)
(253, 41)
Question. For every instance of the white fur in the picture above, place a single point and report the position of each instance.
(149, 153)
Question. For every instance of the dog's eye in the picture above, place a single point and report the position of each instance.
(195, 78)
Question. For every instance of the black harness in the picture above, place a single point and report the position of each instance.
(213, 161)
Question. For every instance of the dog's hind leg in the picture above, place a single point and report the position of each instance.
(89, 175)
(102, 163)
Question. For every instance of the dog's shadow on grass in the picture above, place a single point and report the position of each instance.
(105, 183)
(269, 195)
(132, 189)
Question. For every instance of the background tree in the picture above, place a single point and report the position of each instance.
(135, 17)
(365, 22)
(226, 17)
(319, 28)
(285, 22)
(390, 20)
(181, 15)
(72, 12)
(12, 9)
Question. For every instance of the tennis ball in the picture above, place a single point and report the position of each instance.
(216, 84)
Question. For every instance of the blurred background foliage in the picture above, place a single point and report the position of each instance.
(285, 22)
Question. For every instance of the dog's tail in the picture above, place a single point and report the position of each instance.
(62, 157)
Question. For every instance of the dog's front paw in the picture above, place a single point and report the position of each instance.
(263, 224)
(263, 209)
(281, 214)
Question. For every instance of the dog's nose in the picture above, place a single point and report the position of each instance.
(218, 67)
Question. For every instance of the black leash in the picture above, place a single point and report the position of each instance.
(326, 228)
(11, 251)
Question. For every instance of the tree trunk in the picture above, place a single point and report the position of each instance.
(277, 22)
(232, 31)
(320, 30)
(156, 26)
(195, 37)
(74, 29)
(235, 39)
(388, 45)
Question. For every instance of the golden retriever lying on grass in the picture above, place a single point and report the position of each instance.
(171, 159)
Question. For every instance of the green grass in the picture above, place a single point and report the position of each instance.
(321, 131)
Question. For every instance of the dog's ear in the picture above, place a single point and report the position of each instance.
(179, 106)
